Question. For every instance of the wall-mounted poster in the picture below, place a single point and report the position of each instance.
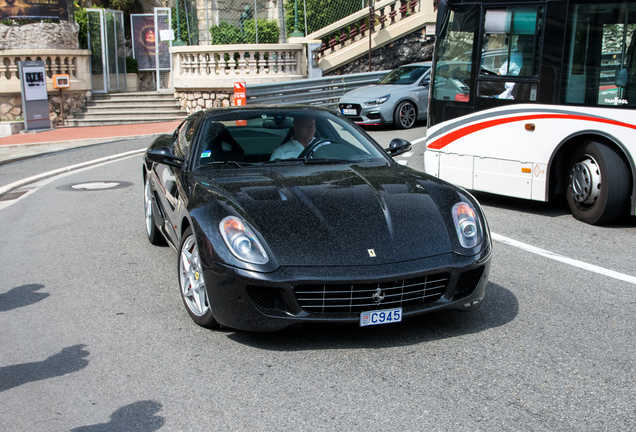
(39, 9)
(144, 40)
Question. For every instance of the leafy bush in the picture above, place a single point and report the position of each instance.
(82, 20)
(225, 33)
(267, 31)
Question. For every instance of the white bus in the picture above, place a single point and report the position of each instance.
(536, 100)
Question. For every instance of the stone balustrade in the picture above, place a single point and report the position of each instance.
(75, 63)
(219, 66)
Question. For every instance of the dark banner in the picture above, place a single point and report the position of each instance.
(144, 39)
(39, 9)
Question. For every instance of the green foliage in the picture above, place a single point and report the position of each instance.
(225, 33)
(131, 65)
(82, 20)
(267, 31)
(320, 13)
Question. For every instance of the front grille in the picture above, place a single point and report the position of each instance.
(356, 107)
(348, 298)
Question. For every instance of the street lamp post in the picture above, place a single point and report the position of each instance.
(296, 32)
(178, 41)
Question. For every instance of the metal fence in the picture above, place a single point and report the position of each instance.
(320, 91)
(265, 21)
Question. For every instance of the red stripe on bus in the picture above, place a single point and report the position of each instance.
(460, 133)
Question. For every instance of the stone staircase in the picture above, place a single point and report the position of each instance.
(128, 108)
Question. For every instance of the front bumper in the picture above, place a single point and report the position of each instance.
(368, 115)
(295, 296)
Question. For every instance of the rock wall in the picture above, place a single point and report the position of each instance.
(193, 101)
(411, 48)
(61, 35)
(11, 106)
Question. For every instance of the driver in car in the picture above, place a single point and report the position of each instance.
(304, 130)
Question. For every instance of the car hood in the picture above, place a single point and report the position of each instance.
(331, 215)
(364, 94)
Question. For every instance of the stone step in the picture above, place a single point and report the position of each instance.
(147, 115)
(132, 98)
(128, 108)
(117, 121)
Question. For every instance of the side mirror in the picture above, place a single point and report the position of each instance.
(164, 155)
(620, 80)
(425, 82)
(398, 146)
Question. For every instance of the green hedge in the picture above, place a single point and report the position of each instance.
(226, 33)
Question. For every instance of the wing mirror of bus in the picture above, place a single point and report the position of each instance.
(425, 82)
(620, 80)
(398, 146)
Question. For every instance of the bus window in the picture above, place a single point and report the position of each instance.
(452, 75)
(600, 54)
(509, 49)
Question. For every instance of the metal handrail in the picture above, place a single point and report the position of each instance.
(318, 91)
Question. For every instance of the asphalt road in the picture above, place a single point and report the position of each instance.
(95, 338)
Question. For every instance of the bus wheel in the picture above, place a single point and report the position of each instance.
(598, 186)
(404, 115)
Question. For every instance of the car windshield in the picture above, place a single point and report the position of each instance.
(257, 137)
(404, 75)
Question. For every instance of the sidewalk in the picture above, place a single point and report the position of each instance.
(26, 145)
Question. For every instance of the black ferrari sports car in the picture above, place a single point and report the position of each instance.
(273, 232)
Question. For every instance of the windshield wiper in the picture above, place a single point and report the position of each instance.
(329, 161)
(226, 163)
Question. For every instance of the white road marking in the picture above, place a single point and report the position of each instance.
(569, 261)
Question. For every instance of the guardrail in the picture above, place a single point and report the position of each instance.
(317, 91)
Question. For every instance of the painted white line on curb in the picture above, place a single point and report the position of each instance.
(554, 256)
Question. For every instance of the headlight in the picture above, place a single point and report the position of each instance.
(241, 241)
(467, 225)
(378, 101)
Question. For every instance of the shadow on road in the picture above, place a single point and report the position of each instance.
(69, 360)
(21, 296)
(139, 416)
(500, 306)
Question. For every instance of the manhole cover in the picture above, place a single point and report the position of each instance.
(97, 185)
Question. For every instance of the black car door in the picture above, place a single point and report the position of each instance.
(168, 177)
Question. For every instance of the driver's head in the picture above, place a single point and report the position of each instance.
(304, 129)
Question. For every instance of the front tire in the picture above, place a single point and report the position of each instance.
(405, 115)
(598, 185)
(192, 284)
(154, 235)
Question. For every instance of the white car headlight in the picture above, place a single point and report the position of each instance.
(378, 101)
(467, 224)
(241, 241)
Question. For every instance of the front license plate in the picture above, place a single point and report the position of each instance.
(385, 316)
(346, 111)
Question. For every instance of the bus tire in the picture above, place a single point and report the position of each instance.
(598, 184)
(405, 115)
